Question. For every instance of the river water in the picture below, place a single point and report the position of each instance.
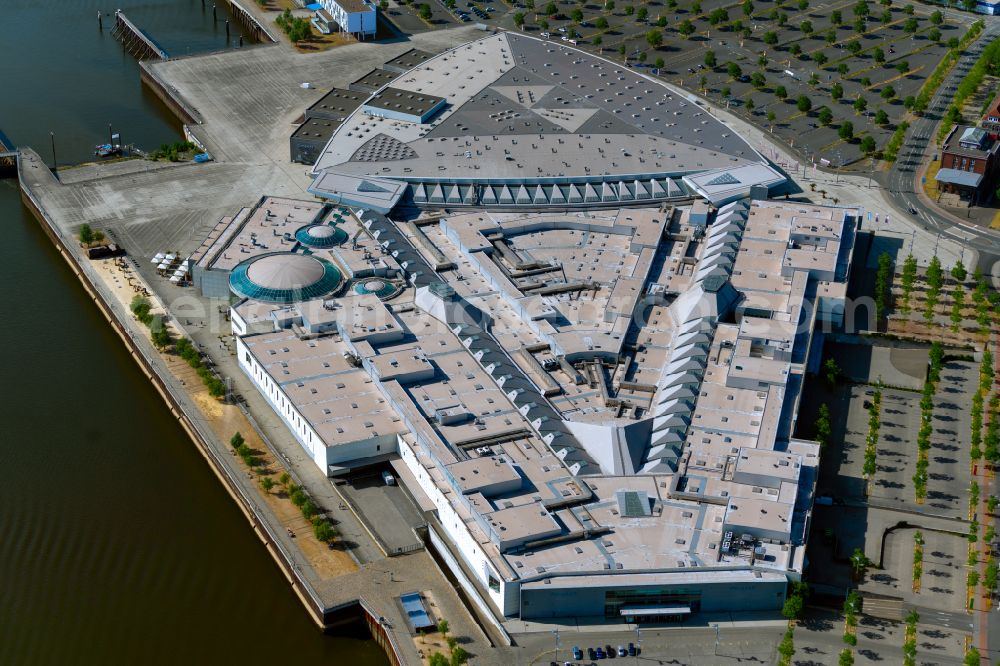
(117, 543)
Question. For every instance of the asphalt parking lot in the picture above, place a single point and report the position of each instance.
(387, 508)
(792, 47)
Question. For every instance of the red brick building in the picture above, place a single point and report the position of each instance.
(968, 164)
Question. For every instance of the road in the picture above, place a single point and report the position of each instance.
(901, 180)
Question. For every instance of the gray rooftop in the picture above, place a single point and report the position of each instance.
(527, 111)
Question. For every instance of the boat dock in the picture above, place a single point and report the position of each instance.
(135, 40)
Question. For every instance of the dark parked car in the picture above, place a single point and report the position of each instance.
(577, 653)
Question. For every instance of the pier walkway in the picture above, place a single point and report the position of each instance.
(136, 41)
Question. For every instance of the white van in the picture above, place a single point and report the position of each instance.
(388, 479)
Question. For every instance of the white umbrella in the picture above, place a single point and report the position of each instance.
(158, 258)
(170, 257)
(175, 279)
(185, 264)
(164, 266)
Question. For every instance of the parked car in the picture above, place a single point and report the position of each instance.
(600, 653)
(621, 651)
(577, 653)
(610, 650)
(388, 479)
(631, 650)
(591, 655)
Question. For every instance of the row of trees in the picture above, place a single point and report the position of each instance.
(910, 639)
(158, 332)
(871, 441)
(907, 281)
(852, 604)
(322, 529)
(187, 351)
(918, 559)
(988, 64)
(883, 285)
(936, 357)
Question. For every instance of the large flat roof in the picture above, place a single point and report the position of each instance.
(525, 110)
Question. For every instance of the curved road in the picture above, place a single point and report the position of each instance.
(901, 182)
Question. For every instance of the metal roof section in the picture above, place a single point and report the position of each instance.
(721, 186)
(696, 312)
(511, 111)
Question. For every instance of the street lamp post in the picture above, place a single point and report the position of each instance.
(55, 165)
(638, 643)
(716, 627)
(555, 632)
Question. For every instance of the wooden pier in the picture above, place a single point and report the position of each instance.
(135, 40)
(250, 23)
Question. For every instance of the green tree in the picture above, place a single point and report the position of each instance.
(601, 23)
(824, 427)
(758, 80)
(831, 371)
(854, 47)
(836, 18)
(819, 58)
(425, 11)
(780, 92)
(836, 92)
(747, 7)
(443, 627)
(846, 130)
(629, 10)
(686, 28)
(710, 59)
(458, 656)
(86, 234)
(868, 145)
(910, 26)
(859, 562)
(937, 18)
(879, 55)
(959, 272)
(786, 648)
(640, 15)
(902, 67)
(806, 27)
(860, 104)
(551, 9)
(803, 104)
(825, 116)
(654, 37)
(519, 19)
(236, 441)
(770, 38)
(846, 658)
(438, 659)
(734, 70)
(881, 117)
(266, 483)
(717, 16)
(597, 40)
(934, 35)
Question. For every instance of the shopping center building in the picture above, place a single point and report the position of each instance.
(582, 345)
